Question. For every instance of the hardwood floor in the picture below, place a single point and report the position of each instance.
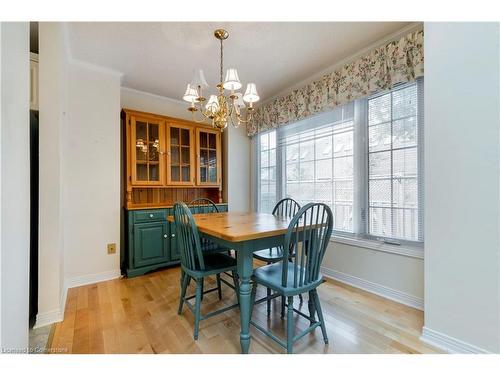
(139, 315)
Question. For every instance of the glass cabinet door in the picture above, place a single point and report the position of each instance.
(208, 157)
(180, 164)
(147, 151)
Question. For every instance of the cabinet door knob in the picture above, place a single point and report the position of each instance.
(165, 236)
(173, 234)
(151, 215)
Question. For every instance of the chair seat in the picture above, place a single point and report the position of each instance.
(214, 263)
(272, 255)
(271, 276)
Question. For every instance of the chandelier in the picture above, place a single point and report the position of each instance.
(220, 108)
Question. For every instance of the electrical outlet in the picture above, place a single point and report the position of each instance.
(111, 248)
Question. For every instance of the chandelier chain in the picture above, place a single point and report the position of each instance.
(221, 61)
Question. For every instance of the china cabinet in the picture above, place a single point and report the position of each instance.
(164, 160)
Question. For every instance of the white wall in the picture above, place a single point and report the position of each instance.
(462, 153)
(52, 106)
(14, 186)
(395, 276)
(79, 173)
(237, 164)
(91, 170)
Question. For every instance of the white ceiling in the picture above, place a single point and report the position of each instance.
(160, 57)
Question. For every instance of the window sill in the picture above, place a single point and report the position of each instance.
(405, 250)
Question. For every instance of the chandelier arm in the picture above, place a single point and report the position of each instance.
(248, 118)
(195, 120)
(203, 115)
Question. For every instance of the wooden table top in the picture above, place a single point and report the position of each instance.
(240, 226)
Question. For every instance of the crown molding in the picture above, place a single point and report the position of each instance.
(156, 96)
(81, 63)
(96, 68)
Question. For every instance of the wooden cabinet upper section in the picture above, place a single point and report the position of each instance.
(162, 151)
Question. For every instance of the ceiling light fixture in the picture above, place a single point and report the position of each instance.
(221, 108)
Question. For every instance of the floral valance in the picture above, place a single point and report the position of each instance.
(396, 62)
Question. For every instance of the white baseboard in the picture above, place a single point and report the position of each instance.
(448, 343)
(47, 318)
(57, 315)
(378, 289)
(92, 278)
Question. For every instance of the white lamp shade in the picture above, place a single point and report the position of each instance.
(191, 94)
(232, 81)
(251, 95)
(199, 79)
(212, 104)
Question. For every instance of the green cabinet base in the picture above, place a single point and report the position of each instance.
(150, 241)
(133, 272)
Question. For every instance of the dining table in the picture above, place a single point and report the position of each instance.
(243, 232)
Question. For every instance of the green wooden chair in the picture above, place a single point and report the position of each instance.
(196, 265)
(286, 207)
(307, 238)
(207, 206)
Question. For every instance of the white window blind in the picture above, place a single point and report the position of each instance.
(318, 163)
(267, 171)
(393, 165)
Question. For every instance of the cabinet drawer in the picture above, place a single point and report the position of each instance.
(150, 215)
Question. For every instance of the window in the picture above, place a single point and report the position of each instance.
(363, 159)
(393, 165)
(267, 169)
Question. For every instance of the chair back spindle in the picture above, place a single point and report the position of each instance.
(188, 238)
(204, 206)
(286, 207)
(307, 238)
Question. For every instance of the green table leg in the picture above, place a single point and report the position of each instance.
(244, 255)
(245, 270)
